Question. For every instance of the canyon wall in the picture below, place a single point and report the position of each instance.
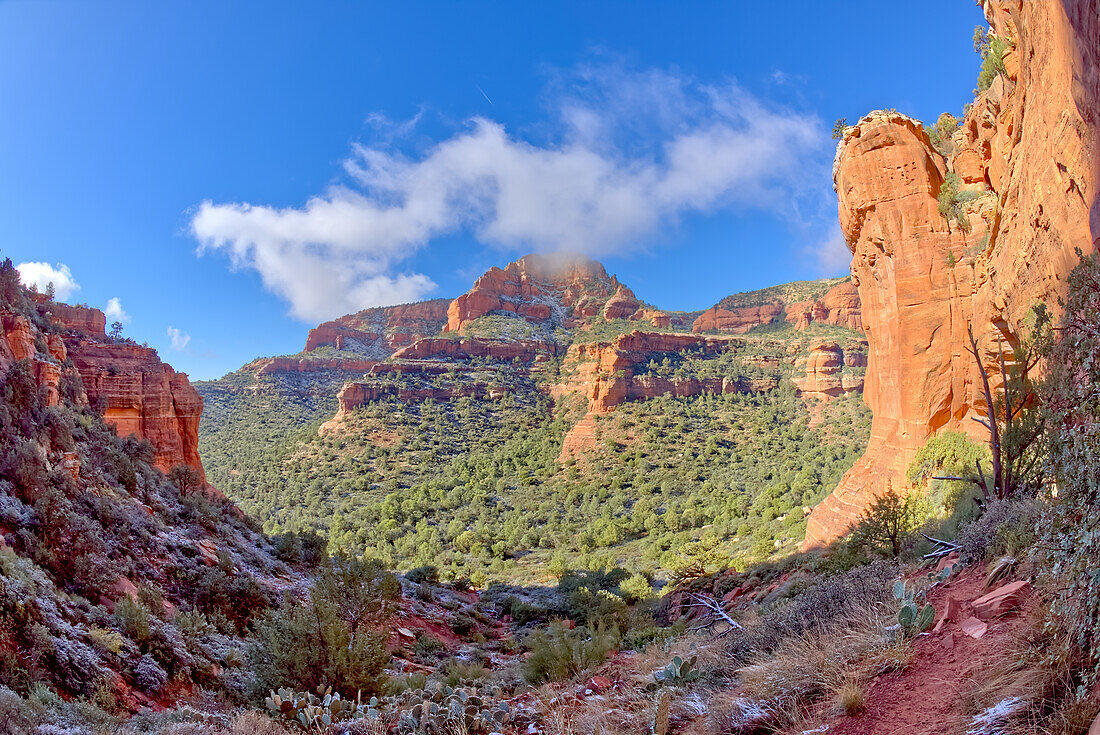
(559, 290)
(839, 306)
(1026, 156)
(136, 392)
(378, 332)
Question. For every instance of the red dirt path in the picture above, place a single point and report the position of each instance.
(927, 698)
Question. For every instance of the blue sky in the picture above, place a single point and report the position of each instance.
(233, 173)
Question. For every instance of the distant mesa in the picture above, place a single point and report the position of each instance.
(738, 314)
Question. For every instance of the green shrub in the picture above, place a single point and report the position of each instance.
(950, 201)
(332, 639)
(992, 49)
(558, 653)
(887, 524)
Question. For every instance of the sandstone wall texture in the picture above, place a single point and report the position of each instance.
(378, 332)
(136, 392)
(563, 290)
(839, 306)
(1027, 149)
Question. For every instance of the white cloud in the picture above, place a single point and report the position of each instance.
(832, 254)
(114, 311)
(178, 339)
(41, 275)
(633, 152)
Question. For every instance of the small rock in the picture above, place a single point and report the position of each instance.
(973, 627)
(599, 683)
(952, 609)
(1000, 601)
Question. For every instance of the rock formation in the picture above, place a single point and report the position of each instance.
(270, 365)
(838, 306)
(820, 374)
(1026, 151)
(560, 290)
(378, 332)
(136, 392)
(607, 374)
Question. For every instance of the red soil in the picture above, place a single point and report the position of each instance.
(929, 696)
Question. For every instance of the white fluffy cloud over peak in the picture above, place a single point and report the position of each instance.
(41, 275)
(632, 154)
(114, 311)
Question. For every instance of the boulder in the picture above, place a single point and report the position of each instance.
(1001, 601)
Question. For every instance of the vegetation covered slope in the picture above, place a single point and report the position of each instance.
(117, 583)
(476, 487)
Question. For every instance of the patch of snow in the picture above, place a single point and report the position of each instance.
(992, 720)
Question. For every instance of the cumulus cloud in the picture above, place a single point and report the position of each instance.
(41, 275)
(178, 339)
(832, 254)
(630, 153)
(114, 311)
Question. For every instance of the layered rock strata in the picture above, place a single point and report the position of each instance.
(1026, 154)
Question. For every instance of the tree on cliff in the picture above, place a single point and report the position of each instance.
(1014, 419)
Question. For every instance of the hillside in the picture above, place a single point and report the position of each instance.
(552, 403)
(118, 583)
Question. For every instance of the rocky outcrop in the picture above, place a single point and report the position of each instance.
(839, 306)
(271, 365)
(820, 374)
(136, 392)
(608, 374)
(464, 348)
(140, 395)
(1027, 150)
(378, 332)
(358, 393)
(659, 319)
(621, 305)
(21, 342)
(467, 362)
(738, 320)
(561, 289)
(76, 319)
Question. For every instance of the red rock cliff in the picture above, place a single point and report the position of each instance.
(1027, 148)
(137, 392)
(564, 289)
(378, 332)
(839, 306)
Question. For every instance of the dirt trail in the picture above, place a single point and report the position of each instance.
(929, 697)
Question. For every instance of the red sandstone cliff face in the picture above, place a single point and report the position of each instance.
(20, 342)
(136, 392)
(839, 306)
(562, 289)
(468, 347)
(1028, 147)
(378, 332)
(607, 374)
(434, 356)
(270, 365)
(820, 374)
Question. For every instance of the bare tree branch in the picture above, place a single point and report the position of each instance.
(717, 613)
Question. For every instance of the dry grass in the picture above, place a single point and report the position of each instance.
(1028, 680)
(850, 698)
(830, 663)
(631, 708)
